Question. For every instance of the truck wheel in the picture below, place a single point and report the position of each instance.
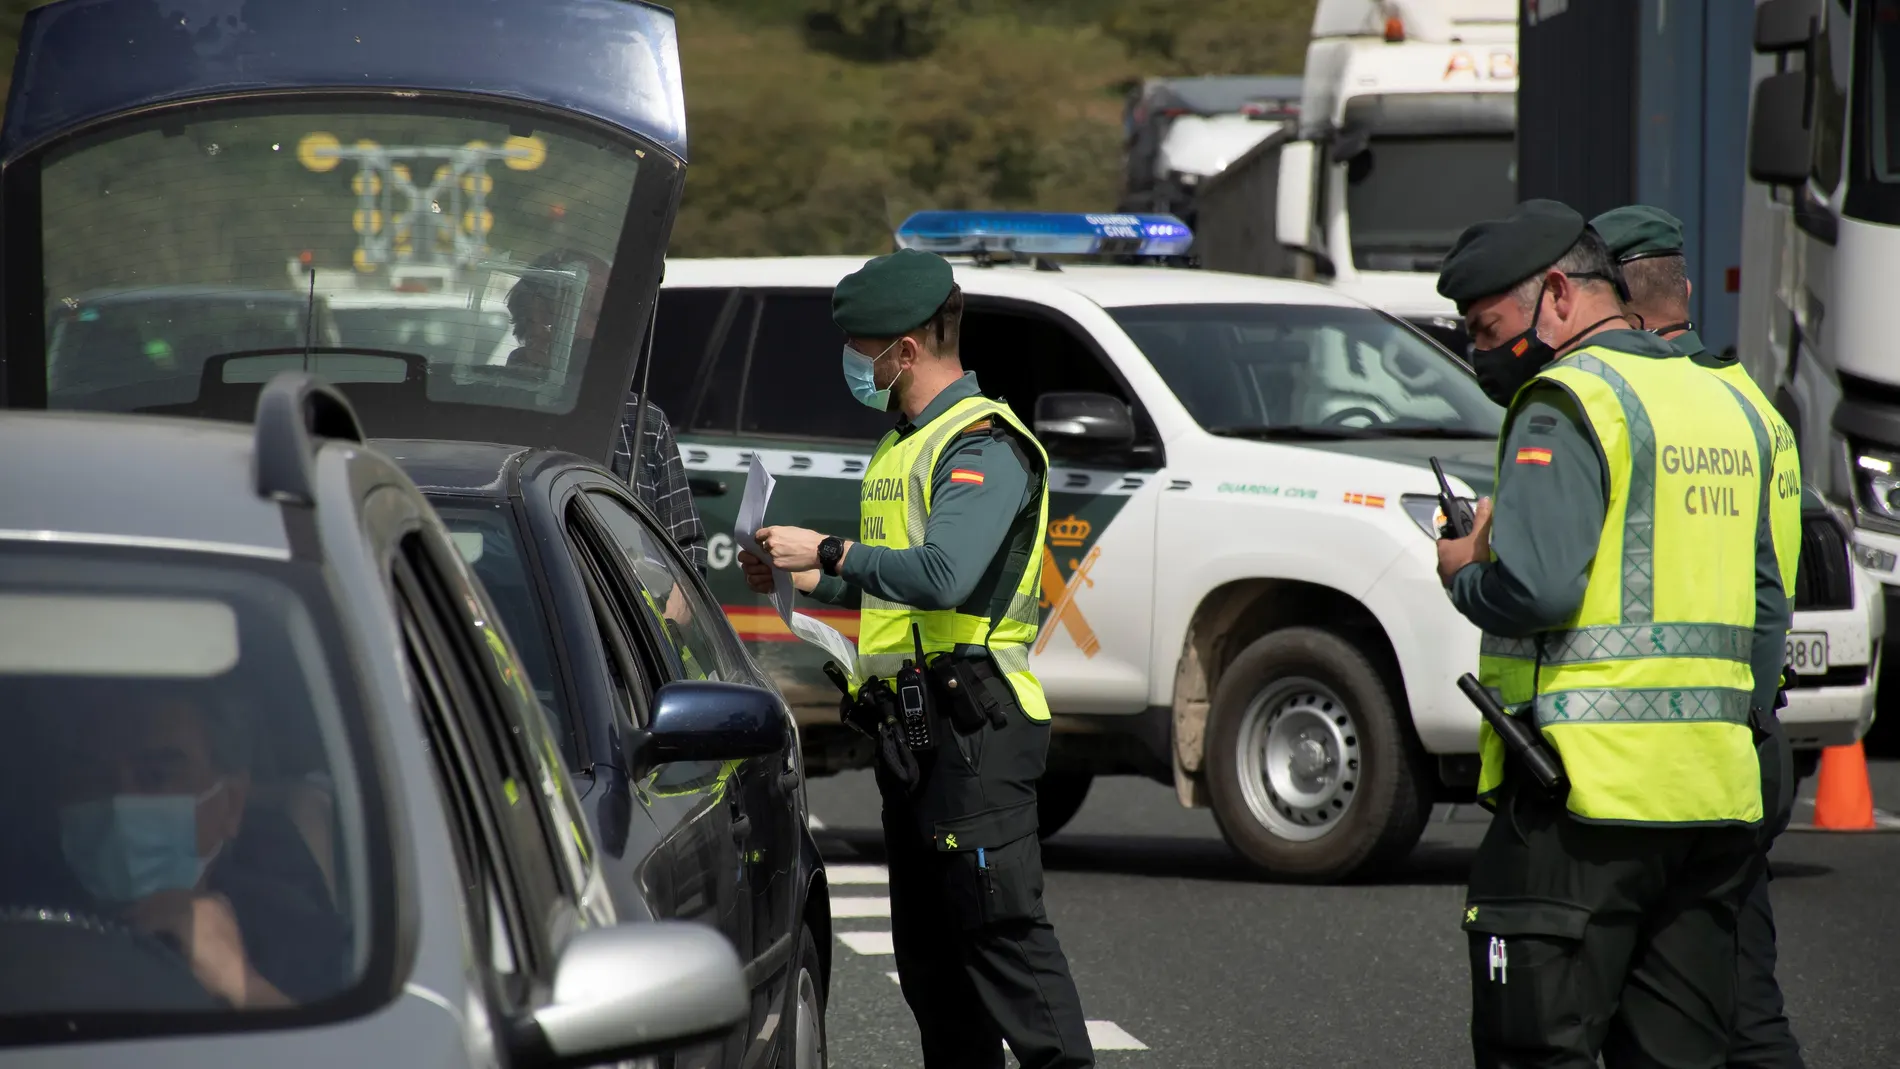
(1059, 797)
(1310, 774)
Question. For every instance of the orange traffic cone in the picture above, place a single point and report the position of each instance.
(1843, 800)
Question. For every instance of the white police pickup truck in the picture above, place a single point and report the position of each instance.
(1239, 583)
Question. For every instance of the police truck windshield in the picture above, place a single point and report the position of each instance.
(1259, 370)
(1408, 198)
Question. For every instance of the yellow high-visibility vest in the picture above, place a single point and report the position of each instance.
(1784, 497)
(894, 507)
(1645, 691)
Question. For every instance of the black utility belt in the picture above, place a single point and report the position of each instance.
(951, 693)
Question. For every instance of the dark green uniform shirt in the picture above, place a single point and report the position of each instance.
(973, 531)
(1546, 521)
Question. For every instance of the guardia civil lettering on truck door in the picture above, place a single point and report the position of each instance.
(1406, 138)
(1239, 595)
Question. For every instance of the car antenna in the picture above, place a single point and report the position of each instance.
(310, 320)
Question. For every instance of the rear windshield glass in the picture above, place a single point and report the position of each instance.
(1265, 370)
(469, 251)
(185, 832)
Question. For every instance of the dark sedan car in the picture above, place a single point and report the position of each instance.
(605, 611)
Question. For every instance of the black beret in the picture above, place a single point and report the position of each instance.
(892, 294)
(1491, 257)
(1638, 230)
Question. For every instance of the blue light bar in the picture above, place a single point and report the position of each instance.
(1046, 233)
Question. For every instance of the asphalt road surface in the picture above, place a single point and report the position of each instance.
(1185, 958)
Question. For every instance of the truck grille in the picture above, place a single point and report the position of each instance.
(1825, 579)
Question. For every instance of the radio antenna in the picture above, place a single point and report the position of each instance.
(310, 320)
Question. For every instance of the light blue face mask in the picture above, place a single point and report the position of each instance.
(129, 846)
(860, 373)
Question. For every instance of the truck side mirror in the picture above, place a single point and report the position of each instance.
(1780, 141)
(1293, 199)
(1785, 25)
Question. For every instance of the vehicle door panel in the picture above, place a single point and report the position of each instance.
(694, 870)
(758, 790)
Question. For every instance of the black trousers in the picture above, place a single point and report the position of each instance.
(1590, 939)
(1761, 1037)
(976, 955)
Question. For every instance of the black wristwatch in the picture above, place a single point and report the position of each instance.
(830, 552)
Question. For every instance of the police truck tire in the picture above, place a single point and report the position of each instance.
(1311, 775)
(1059, 797)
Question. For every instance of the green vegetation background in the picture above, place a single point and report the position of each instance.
(817, 125)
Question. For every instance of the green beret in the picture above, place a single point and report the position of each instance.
(1638, 231)
(1491, 257)
(892, 294)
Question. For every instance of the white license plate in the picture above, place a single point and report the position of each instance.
(1807, 652)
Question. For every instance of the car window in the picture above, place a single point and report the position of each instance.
(1019, 355)
(496, 923)
(178, 753)
(794, 381)
(516, 779)
(690, 624)
(1247, 368)
(490, 540)
(682, 381)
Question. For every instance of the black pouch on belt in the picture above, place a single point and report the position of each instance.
(962, 694)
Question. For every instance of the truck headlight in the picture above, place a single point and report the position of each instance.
(1424, 510)
(1877, 481)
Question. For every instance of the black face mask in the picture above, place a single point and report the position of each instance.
(1504, 370)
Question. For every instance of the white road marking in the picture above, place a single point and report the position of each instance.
(894, 978)
(1107, 1035)
(860, 907)
(814, 823)
(837, 874)
(867, 942)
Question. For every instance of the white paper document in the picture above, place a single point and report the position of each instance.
(758, 495)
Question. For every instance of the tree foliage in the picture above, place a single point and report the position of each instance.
(817, 125)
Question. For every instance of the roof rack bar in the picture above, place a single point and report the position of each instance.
(294, 409)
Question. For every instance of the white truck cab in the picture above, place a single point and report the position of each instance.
(1240, 595)
(1407, 136)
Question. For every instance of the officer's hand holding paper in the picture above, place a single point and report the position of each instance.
(758, 494)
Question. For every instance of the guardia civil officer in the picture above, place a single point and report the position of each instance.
(952, 511)
(1627, 589)
(1647, 243)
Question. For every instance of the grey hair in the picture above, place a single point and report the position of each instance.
(1659, 283)
(1588, 256)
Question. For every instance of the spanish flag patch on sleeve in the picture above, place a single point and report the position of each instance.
(1533, 455)
(965, 475)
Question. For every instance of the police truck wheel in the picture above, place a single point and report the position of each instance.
(1059, 797)
(1311, 775)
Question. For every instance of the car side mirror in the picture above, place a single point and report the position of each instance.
(1084, 418)
(1785, 25)
(705, 720)
(1293, 196)
(632, 990)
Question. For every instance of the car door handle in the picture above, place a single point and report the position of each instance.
(741, 827)
(707, 487)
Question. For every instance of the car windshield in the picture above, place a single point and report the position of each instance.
(176, 764)
(491, 543)
(1408, 198)
(262, 228)
(1267, 370)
